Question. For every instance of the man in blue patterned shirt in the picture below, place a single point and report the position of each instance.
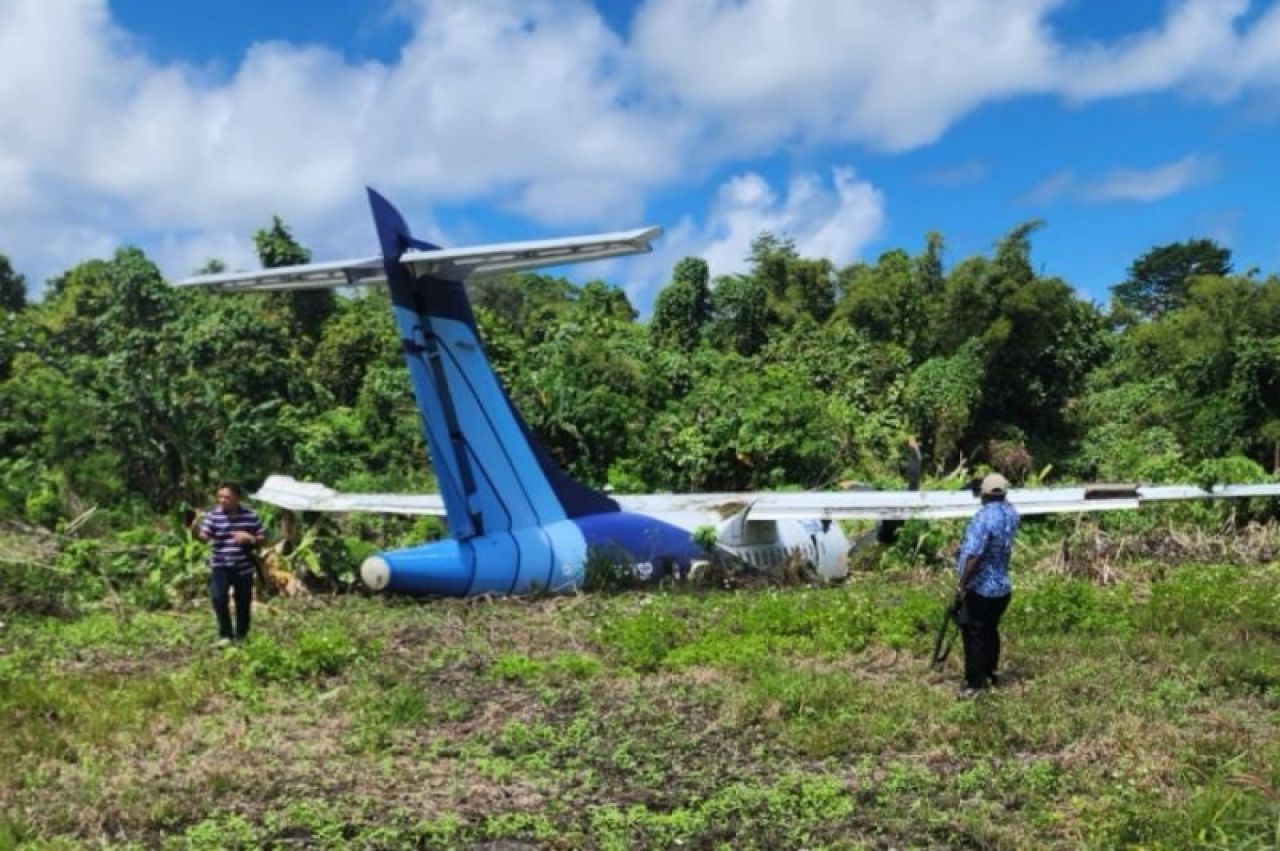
(234, 531)
(982, 571)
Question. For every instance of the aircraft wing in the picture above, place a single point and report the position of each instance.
(931, 505)
(287, 492)
(451, 263)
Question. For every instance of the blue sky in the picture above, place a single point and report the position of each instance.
(853, 127)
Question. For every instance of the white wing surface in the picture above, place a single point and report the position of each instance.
(932, 505)
(452, 263)
(287, 492)
(460, 263)
(312, 276)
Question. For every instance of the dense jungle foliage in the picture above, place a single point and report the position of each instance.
(123, 394)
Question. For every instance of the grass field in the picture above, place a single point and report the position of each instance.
(1138, 714)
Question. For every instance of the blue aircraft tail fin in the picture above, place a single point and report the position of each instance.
(492, 472)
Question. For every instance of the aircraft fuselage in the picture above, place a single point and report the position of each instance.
(556, 557)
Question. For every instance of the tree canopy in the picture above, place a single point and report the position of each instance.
(1160, 280)
(13, 287)
(121, 391)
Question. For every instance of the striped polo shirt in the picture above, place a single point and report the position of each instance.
(224, 552)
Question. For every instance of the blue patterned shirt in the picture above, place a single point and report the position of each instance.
(989, 536)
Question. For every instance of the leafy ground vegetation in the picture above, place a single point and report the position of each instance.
(1141, 708)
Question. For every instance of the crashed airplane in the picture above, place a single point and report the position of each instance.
(517, 522)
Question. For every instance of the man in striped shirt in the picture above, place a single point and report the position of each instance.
(234, 531)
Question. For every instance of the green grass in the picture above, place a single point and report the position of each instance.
(1142, 714)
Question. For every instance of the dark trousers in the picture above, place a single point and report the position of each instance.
(221, 583)
(980, 626)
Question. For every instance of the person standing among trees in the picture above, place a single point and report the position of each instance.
(233, 531)
(983, 588)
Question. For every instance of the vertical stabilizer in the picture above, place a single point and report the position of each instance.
(493, 475)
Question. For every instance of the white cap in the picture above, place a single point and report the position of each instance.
(994, 484)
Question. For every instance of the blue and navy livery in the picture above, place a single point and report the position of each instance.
(518, 522)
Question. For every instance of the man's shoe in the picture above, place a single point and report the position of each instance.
(222, 643)
(968, 693)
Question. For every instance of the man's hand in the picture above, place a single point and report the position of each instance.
(242, 537)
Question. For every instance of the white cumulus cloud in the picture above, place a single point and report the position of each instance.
(890, 73)
(836, 219)
(519, 105)
(1196, 44)
(539, 108)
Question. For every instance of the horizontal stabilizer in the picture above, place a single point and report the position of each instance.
(312, 276)
(454, 264)
(460, 263)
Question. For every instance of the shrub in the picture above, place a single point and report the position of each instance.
(35, 589)
(643, 641)
(315, 654)
(1059, 606)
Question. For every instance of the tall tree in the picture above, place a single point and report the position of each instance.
(598, 300)
(770, 257)
(811, 287)
(886, 301)
(1013, 255)
(741, 307)
(1160, 280)
(1197, 382)
(361, 334)
(528, 304)
(929, 265)
(13, 287)
(683, 307)
(134, 388)
(277, 247)
(797, 286)
(308, 309)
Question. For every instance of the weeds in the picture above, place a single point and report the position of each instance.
(313, 654)
(1137, 713)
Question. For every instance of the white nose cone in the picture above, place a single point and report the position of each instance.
(375, 572)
